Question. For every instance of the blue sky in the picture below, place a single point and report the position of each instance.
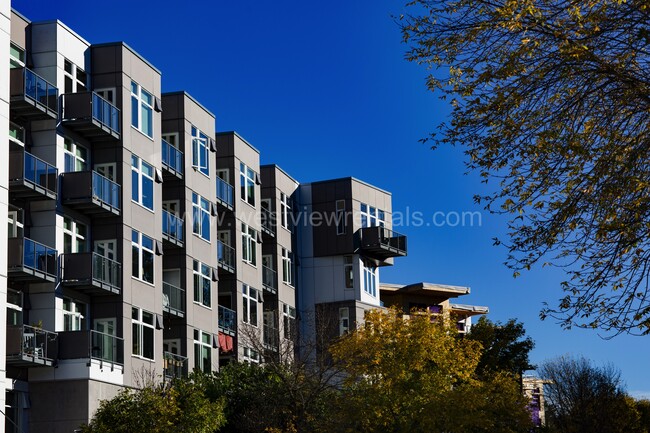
(321, 88)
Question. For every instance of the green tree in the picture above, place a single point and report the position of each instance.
(505, 346)
(551, 99)
(414, 375)
(181, 406)
(581, 397)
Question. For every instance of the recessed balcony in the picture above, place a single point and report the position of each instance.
(29, 260)
(225, 194)
(173, 300)
(268, 223)
(271, 337)
(172, 159)
(173, 229)
(380, 243)
(30, 346)
(16, 134)
(30, 176)
(269, 279)
(92, 345)
(32, 96)
(227, 320)
(174, 366)
(91, 116)
(91, 273)
(91, 193)
(226, 257)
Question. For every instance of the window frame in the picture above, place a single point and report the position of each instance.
(249, 244)
(200, 148)
(142, 250)
(250, 303)
(199, 278)
(370, 280)
(247, 183)
(285, 210)
(75, 238)
(199, 346)
(348, 270)
(76, 313)
(201, 208)
(138, 178)
(71, 155)
(72, 76)
(289, 321)
(138, 328)
(372, 216)
(15, 62)
(137, 100)
(344, 320)
(251, 355)
(287, 267)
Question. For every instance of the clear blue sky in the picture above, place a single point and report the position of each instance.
(321, 88)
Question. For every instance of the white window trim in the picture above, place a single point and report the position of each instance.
(141, 173)
(246, 178)
(344, 320)
(203, 206)
(370, 280)
(140, 323)
(74, 236)
(248, 300)
(174, 142)
(73, 154)
(285, 211)
(249, 245)
(287, 267)
(76, 317)
(251, 355)
(73, 77)
(199, 147)
(371, 215)
(141, 249)
(202, 345)
(199, 273)
(142, 102)
(288, 315)
(104, 91)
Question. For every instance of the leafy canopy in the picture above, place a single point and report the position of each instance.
(552, 100)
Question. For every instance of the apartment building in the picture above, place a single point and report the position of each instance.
(143, 243)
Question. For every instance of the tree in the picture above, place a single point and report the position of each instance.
(179, 407)
(552, 100)
(414, 375)
(583, 398)
(505, 346)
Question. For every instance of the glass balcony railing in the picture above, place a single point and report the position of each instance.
(17, 133)
(31, 257)
(91, 270)
(173, 227)
(381, 242)
(227, 320)
(31, 174)
(106, 190)
(225, 193)
(33, 90)
(268, 224)
(91, 115)
(226, 256)
(93, 345)
(173, 299)
(106, 113)
(30, 345)
(106, 271)
(40, 172)
(172, 158)
(269, 279)
(174, 366)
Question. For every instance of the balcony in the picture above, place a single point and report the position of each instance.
(173, 300)
(91, 273)
(31, 96)
(271, 338)
(225, 194)
(268, 224)
(28, 260)
(227, 320)
(29, 346)
(174, 366)
(91, 193)
(30, 176)
(226, 257)
(17, 134)
(172, 159)
(91, 116)
(269, 279)
(92, 345)
(172, 228)
(381, 243)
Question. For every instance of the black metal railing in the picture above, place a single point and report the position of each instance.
(31, 344)
(174, 366)
(227, 319)
(173, 299)
(382, 241)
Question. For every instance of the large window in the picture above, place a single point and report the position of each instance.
(371, 216)
(142, 176)
(289, 321)
(251, 355)
(202, 351)
(247, 182)
(201, 216)
(16, 56)
(74, 315)
(202, 283)
(143, 331)
(141, 109)
(370, 279)
(348, 269)
(200, 151)
(75, 156)
(142, 259)
(75, 77)
(249, 244)
(285, 210)
(250, 304)
(287, 267)
(75, 236)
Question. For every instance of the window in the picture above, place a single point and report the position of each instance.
(15, 222)
(14, 308)
(202, 351)
(75, 156)
(249, 244)
(348, 269)
(75, 235)
(201, 216)
(171, 138)
(370, 280)
(75, 77)
(340, 217)
(344, 320)
(141, 182)
(287, 266)
(251, 355)
(16, 56)
(289, 321)
(108, 94)
(250, 305)
(202, 283)
(285, 210)
(371, 216)
(141, 109)
(143, 329)
(74, 315)
(200, 151)
(142, 258)
(247, 180)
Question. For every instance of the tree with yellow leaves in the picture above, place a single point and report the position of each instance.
(414, 375)
(551, 99)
